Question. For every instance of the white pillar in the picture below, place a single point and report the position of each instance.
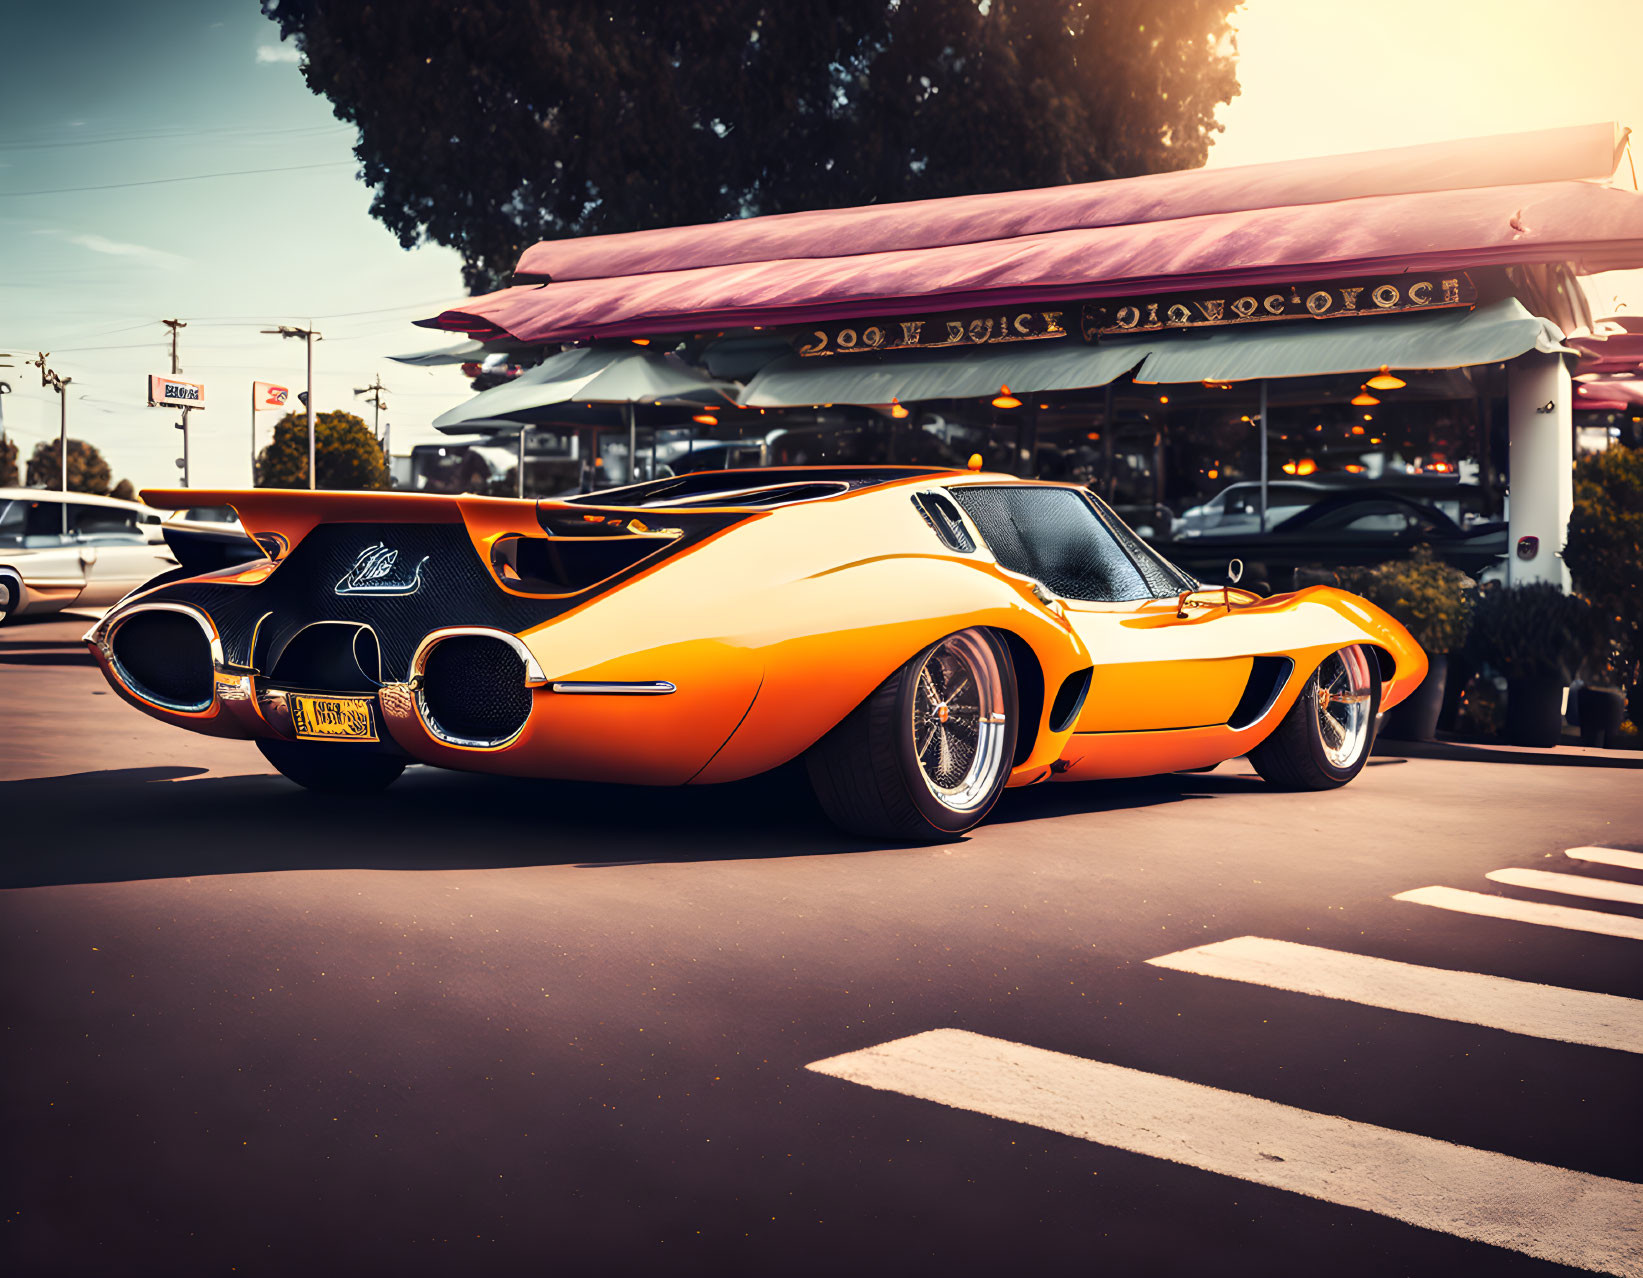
(1540, 422)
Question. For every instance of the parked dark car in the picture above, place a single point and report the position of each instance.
(1347, 529)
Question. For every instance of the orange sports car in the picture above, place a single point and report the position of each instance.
(923, 638)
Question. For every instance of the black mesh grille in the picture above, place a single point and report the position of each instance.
(165, 657)
(1053, 534)
(473, 687)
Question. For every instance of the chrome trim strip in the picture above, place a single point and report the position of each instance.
(534, 677)
(645, 688)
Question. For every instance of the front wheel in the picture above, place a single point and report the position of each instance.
(332, 769)
(1323, 741)
(926, 756)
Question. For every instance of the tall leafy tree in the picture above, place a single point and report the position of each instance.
(87, 471)
(489, 125)
(8, 463)
(347, 454)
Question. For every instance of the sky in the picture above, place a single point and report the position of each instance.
(102, 103)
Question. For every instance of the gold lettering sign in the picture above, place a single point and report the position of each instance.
(1393, 295)
(966, 328)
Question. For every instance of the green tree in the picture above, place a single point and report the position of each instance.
(8, 463)
(1605, 548)
(87, 471)
(347, 453)
(489, 125)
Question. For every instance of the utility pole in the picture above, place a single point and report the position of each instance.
(309, 336)
(377, 404)
(60, 385)
(176, 368)
(5, 389)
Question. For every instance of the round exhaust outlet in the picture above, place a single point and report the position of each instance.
(164, 657)
(472, 691)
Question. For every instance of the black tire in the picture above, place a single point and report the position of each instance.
(1294, 755)
(867, 772)
(11, 597)
(332, 769)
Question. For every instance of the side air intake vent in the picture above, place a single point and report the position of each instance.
(1069, 699)
(1267, 677)
(473, 691)
(940, 513)
(165, 658)
(567, 565)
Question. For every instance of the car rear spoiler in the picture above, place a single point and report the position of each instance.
(278, 518)
(284, 516)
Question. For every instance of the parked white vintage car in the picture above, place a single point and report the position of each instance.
(89, 552)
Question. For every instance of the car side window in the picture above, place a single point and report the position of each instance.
(42, 523)
(12, 523)
(108, 525)
(1056, 537)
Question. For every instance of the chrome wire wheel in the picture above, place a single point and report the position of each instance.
(959, 722)
(1341, 692)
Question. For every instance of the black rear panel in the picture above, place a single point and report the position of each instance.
(453, 588)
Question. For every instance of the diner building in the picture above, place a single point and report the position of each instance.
(1209, 350)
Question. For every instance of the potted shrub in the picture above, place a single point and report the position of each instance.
(1539, 638)
(1605, 558)
(1434, 601)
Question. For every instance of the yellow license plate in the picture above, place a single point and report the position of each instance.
(331, 718)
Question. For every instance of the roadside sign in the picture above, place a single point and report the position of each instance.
(168, 392)
(268, 395)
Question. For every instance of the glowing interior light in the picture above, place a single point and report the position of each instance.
(896, 410)
(1386, 380)
(1004, 399)
(1363, 399)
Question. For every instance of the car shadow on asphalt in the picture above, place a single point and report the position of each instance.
(80, 658)
(176, 822)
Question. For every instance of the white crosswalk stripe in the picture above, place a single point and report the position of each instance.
(1519, 1007)
(1553, 1213)
(1570, 885)
(1505, 907)
(1607, 856)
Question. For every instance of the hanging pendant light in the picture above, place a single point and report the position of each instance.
(706, 419)
(1386, 380)
(1004, 399)
(1363, 399)
(896, 409)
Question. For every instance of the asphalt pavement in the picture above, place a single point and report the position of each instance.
(475, 1025)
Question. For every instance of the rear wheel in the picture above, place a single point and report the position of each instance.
(11, 597)
(1324, 739)
(332, 769)
(927, 755)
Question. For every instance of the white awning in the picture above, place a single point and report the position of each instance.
(1486, 335)
(1028, 367)
(587, 375)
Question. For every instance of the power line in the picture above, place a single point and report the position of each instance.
(170, 134)
(195, 177)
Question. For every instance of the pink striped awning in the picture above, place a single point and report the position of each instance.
(1510, 201)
